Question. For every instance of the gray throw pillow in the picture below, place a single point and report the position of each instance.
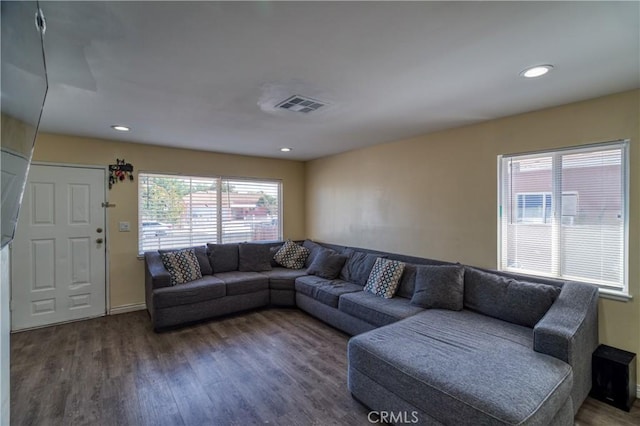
(327, 264)
(253, 257)
(358, 266)
(439, 287)
(505, 298)
(314, 249)
(223, 257)
(407, 282)
(202, 256)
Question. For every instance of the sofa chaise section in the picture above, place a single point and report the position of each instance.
(449, 365)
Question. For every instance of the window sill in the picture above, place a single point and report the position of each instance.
(614, 295)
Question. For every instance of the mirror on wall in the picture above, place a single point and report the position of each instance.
(24, 87)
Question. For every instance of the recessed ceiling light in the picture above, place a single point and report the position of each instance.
(537, 71)
(285, 149)
(120, 128)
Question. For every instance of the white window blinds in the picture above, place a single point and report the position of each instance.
(563, 214)
(182, 211)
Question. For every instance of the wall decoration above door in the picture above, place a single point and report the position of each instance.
(120, 171)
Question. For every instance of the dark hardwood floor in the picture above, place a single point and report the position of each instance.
(277, 366)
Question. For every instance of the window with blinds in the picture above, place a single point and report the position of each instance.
(563, 214)
(182, 211)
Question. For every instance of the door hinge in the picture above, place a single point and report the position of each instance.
(107, 205)
(11, 305)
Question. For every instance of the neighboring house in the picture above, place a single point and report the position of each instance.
(244, 219)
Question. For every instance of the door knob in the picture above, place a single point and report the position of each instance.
(99, 230)
(99, 241)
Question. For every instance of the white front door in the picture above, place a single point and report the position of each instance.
(58, 254)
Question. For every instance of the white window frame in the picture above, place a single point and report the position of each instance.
(614, 292)
(219, 198)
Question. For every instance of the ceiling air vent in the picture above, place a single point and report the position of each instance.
(300, 104)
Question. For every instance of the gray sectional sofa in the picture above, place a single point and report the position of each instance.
(223, 288)
(513, 350)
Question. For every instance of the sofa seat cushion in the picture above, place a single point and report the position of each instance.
(283, 278)
(323, 290)
(243, 282)
(200, 290)
(377, 310)
(463, 365)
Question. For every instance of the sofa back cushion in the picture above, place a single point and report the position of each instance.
(201, 255)
(408, 281)
(505, 298)
(314, 249)
(182, 265)
(439, 287)
(253, 257)
(358, 266)
(223, 257)
(327, 264)
(272, 252)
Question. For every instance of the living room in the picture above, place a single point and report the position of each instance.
(429, 193)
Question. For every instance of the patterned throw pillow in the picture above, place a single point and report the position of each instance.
(384, 277)
(292, 255)
(182, 266)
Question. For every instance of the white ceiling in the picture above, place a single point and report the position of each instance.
(206, 75)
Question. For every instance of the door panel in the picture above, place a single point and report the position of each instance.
(58, 267)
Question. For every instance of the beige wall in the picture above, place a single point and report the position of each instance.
(435, 195)
(126, 273)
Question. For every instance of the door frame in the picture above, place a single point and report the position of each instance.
(107, 303)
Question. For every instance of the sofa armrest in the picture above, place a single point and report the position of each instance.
(569, 332)
(156, 275)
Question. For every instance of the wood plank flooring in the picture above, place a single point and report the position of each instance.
(277, 366)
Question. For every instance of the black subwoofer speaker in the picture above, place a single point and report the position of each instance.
(614, 376)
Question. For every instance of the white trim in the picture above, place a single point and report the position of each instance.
(54, 324)
(77, 166)
(616, 291)
(614, 295)
(131, 307)
(638, 391)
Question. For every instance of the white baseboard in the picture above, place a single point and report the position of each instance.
(127, 308)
